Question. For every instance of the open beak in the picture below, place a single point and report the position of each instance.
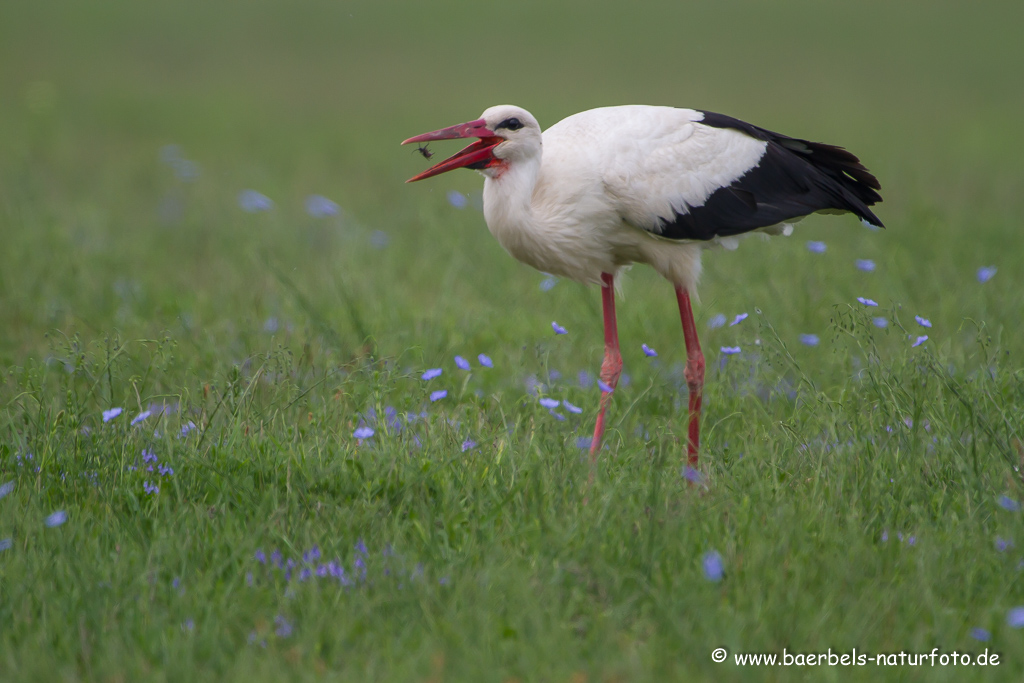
(477, 155)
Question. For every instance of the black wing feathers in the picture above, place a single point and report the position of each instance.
(794, 178)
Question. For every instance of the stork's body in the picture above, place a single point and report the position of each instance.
(614, 186)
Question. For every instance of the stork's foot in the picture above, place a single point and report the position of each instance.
(694, 374)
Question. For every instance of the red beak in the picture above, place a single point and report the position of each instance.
(477, 155)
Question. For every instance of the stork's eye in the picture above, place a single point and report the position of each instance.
(511, 124)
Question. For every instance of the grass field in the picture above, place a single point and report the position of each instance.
(229, 524)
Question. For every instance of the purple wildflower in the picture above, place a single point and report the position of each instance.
(549, 403)
(148, 455)
(109, 415)
(816, 247)
(319, 206)
(311, 555)
(730, 350)
(9, 486)
(867, 302)
(809, 339)
(485, 360)
(923, 322)
(6, 544)
(558, 328)
(885, 536)
(188, 625)
(865, 264)
(586, 379)
(880, 322)
(165, 470)
(461, 363)
(981, 634)
(1002, 545)
(56, 519)
(363, 432)
(920, 340)
(252, 201)
(1015, 617)
(468, 445)
(584, 442)
(716, 321)
(986, 273)
(576, 410)
(713, 569)
(260, 556)
(151, 489)
(557, 415)
(548, 283)
(188, 428)
(432, 373)
(604, 386)
(438, 395)
(739, 318)
(141, 416)
(648, 351)
(457, 199)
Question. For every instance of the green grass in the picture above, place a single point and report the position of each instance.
(277, 335)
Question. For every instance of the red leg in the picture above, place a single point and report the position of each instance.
(694, 372)
(611, 368)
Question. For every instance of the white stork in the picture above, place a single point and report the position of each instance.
(613, 186)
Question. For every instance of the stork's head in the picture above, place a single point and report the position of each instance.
(507, 135)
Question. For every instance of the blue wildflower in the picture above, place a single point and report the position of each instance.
(260, 556)
(363, 432)
(816, 247)
(716, 321)
(986, 273)
(557, 415)
(6, 544)
(283, 628)
(1005, 502)
(648, 351)
(584, 442)
(319, 206)
(1002, 545)
(691, 475)
(457, 199)
(271, 325)
(6, 488)
(558, 328)
(548, 283)
(867, 302)
(549, 403)
(311, 555)
(1015, 617)
(56, 519)
(151, 489)
(604, 386)
(809, 339)
(361, 547)
(865, 264)
(920, 340)
(571, 408)
(739, 318)
(141, 416)
(438, 395)
(485, 360)
(586, 379)
(379, 239)
(880, 322)
(730, 350)
(468, 445)
(461, 363)
(252, 201)
(188, 427)
(981, 634)
(923, 322)
(432, 373)
(109, 415)
(713, 569)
